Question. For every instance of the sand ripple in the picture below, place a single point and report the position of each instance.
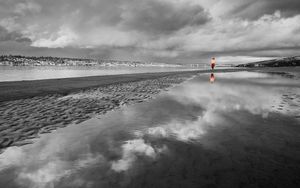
(21, 120)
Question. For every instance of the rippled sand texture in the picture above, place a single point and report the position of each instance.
(24, 119)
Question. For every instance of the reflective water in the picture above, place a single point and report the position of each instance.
(242, 130)
(17, 73)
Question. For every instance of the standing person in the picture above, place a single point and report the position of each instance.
(213, 63)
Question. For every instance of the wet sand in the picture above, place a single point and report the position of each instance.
(240, 131)
(30, 108)
(25, 119)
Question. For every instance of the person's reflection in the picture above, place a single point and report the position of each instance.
(212, 78)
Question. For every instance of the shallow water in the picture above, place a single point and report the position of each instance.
(18, 73)
(238, 130)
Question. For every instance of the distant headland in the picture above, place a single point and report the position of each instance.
(281, 62)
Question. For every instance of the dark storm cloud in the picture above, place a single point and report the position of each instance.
(95, 23)
(162, 17)
(12, 36)
(142, 15)
(254, 9)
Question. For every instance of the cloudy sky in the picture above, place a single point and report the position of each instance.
(172, 31)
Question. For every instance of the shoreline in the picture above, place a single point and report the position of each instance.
(31, 108)
(14, 90)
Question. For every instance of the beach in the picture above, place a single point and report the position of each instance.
(149, 94)
(149, 129)
(30, 108)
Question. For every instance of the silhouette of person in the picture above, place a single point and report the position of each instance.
(213, 63)
(212, 78)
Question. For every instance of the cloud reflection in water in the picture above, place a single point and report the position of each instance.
(110, 151)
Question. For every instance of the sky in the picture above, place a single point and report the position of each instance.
(169, 31)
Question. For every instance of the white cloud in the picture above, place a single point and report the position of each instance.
(29, 6)
(55, 168)
(108, 36)
(64, 37)
(183, 131)
(45, 176)
(129, 151)
(270, 31)
(240, 59)
(42, 164)
(158, 131)
(11, 156)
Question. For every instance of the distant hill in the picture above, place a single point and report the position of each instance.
(18, 60)
(282, 62)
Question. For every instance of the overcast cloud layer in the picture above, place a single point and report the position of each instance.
(184, 31)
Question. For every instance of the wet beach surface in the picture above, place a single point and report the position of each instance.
(26, 119)
(240, 130)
